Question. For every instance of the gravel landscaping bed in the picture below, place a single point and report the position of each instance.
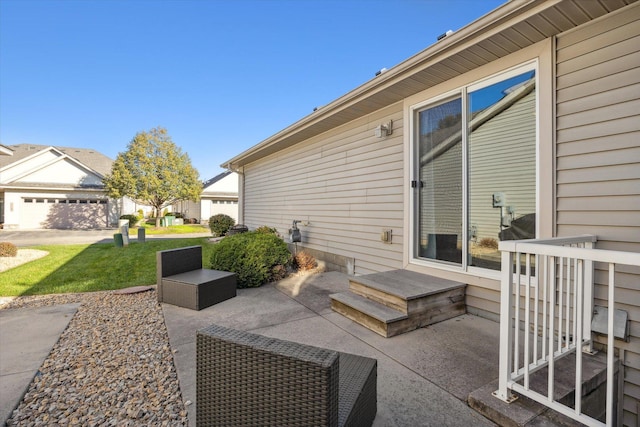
(23, 256)
(112, 366)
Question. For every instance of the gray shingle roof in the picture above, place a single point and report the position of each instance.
(87, 156)
(215, 179)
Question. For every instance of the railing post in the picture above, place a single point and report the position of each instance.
(588, 302)
(551, 323)
(611, 302)
(506, 328)
(579, 333)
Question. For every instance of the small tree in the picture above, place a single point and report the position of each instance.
(153, 171)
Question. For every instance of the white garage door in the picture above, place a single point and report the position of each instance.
(63, 213)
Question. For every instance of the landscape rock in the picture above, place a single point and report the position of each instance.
(111, 366)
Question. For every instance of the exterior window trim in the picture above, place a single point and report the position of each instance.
(462, 91)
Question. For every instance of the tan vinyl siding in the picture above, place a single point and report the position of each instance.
(598, 159)
(346, 183)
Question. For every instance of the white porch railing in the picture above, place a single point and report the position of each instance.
(541, 323)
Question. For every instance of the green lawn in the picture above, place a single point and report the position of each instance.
(95, 267)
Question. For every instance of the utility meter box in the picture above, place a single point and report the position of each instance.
(295, 234)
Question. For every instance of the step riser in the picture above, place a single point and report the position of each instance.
(414, 306)
(427, 318)
(440, 314)
(361, 318)
(436, 301)
(435, 314)
(378, 296)
(407, 307)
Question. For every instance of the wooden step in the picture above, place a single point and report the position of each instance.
(370, 314)
(525, 411)
(406, 284)
(399, 301)
(405, 290)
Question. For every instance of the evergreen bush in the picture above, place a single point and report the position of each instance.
(268, 230)
(256, 258)
(220, 224)
(133, 219)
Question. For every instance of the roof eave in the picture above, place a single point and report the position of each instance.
(350, 106)
(5, 151)
(49, 187)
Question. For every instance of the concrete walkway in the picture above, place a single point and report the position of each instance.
(424, 377)
(27, 336)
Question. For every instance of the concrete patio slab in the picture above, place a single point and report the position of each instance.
(418, 383)
(459, 355)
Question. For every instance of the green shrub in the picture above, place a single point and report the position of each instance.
(133, 219)
(8, 249)
(220, 224)
(256, 258)
(267, 230)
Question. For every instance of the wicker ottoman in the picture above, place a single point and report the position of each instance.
(199, 289)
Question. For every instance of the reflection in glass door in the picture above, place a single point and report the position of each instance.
(502, 166)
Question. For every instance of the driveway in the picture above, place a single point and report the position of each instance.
(22, 238)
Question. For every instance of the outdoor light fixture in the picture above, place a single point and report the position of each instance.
(384, 129)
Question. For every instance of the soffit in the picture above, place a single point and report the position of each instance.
(512, 27)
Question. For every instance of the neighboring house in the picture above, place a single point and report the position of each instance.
(5, 151)
(128, 206)
(54, 187)
(219, 196)
(525, 123)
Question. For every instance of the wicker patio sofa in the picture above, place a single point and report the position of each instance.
(244, 379)
(182, 281)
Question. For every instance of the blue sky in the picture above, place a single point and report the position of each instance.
(221, 76)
